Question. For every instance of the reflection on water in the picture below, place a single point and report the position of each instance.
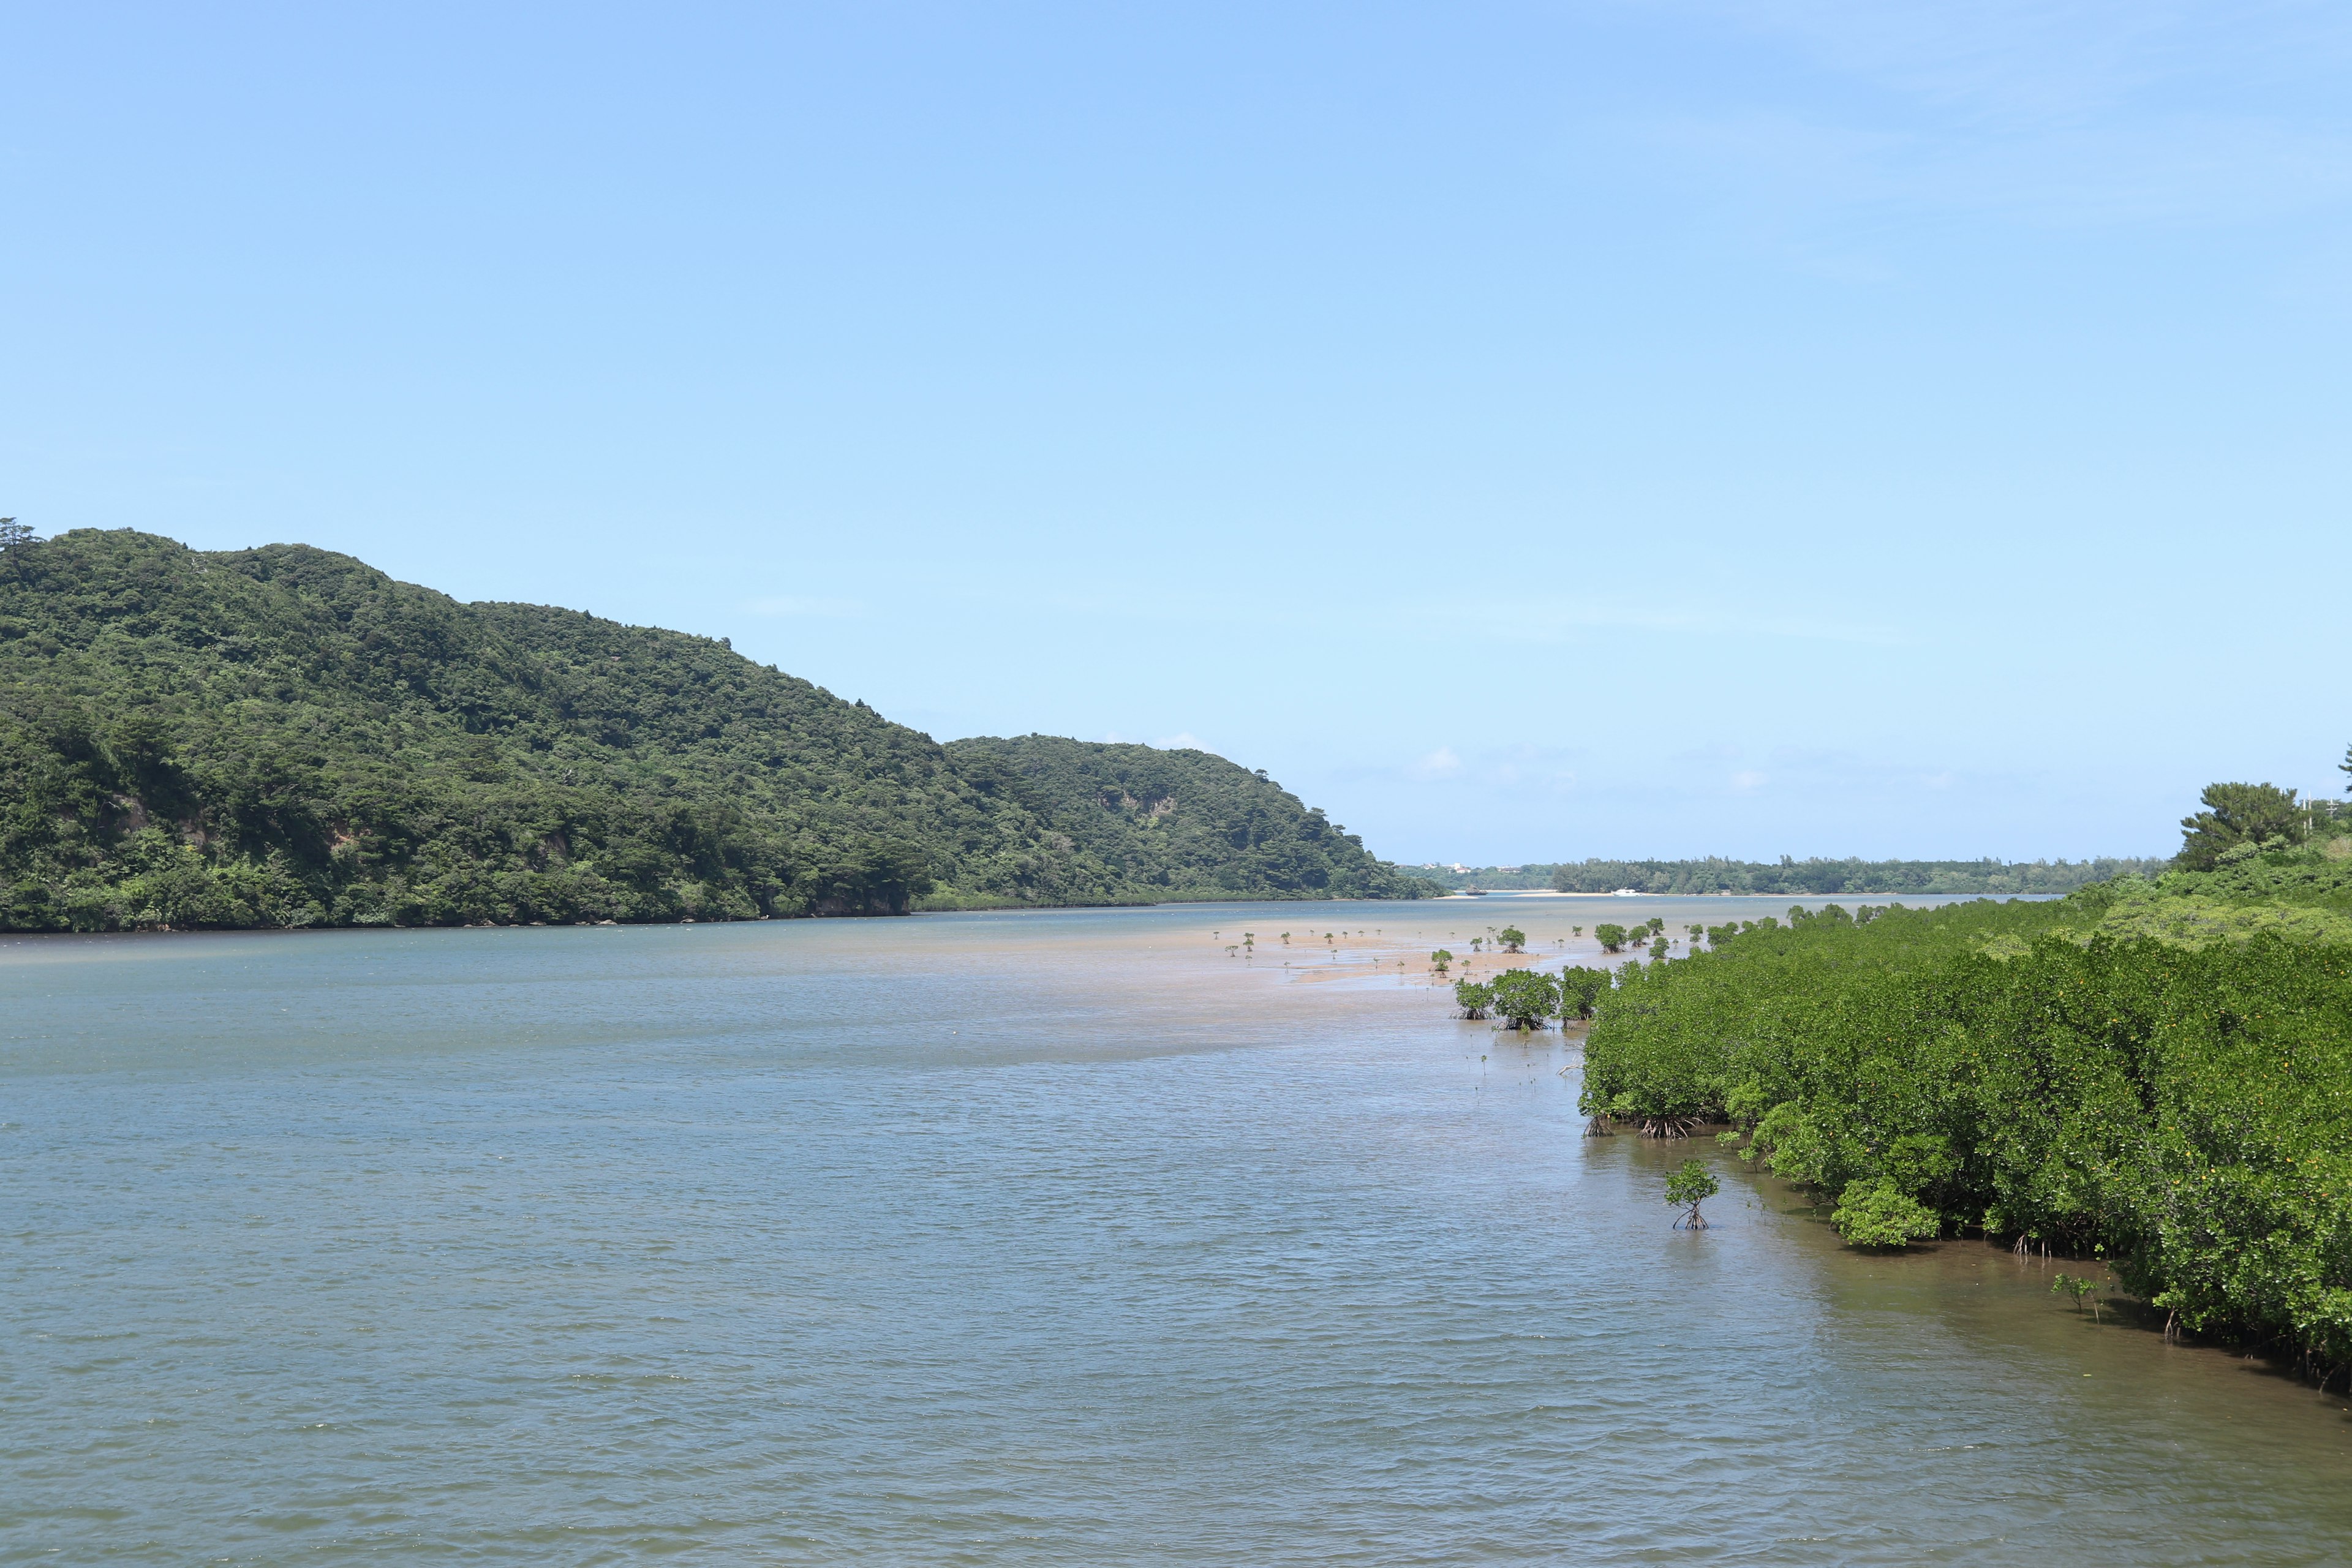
(1040, 1237)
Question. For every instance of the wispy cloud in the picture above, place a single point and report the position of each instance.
(2038, 61)
(1561, 624)
(2050, 113)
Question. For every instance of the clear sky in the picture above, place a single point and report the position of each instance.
(1529, 431)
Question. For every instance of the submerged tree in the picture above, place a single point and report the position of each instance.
(1611, 938)
(1524, 998)
(1512, 938)
(1473, 998)
(1689, 1187)
(1581, 990)
(2071, 1285)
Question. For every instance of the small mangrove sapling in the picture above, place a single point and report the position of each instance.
(1689, 1187)
(2078, 1288)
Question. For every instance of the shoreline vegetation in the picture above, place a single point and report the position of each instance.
(2154, 1072)
(285, 737)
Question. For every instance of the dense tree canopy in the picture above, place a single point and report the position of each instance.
(1183, 824)
(285, 736)
(2157, 1070)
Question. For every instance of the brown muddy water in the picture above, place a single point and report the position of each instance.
(1036, 1238)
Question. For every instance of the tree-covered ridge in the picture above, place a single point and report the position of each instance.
(286, 736)
(1184, 824)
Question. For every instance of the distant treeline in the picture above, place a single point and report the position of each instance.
(1848, 876)
(1817, 876)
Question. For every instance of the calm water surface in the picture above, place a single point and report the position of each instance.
(1053, 1238)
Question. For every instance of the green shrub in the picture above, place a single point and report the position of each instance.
(1877, 1212)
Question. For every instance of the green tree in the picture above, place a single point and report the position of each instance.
(1610, 937)
(1658, 948)
(1581, 991)
(1524, 998)
(13, 533)
(1687, 1188)
(2238, 814)
(1441, 960)
(1512, 938)
(1473, 998)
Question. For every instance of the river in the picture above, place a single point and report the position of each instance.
(1046, 1237)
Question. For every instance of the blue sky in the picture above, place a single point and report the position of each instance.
(1530, 431)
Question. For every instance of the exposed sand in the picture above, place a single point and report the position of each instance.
(1363, 952)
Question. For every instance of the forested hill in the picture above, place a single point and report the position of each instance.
(1185, 821)
(285, 736)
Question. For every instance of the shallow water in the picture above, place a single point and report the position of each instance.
(1057, 1238)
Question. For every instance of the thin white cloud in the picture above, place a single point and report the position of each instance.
(2064, 61)
(1182, 740)
(1747, 780)
(1438, 765)
(1558, 624)
(2051, 112)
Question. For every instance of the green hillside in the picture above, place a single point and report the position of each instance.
(285, 736)
(1185, 823)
